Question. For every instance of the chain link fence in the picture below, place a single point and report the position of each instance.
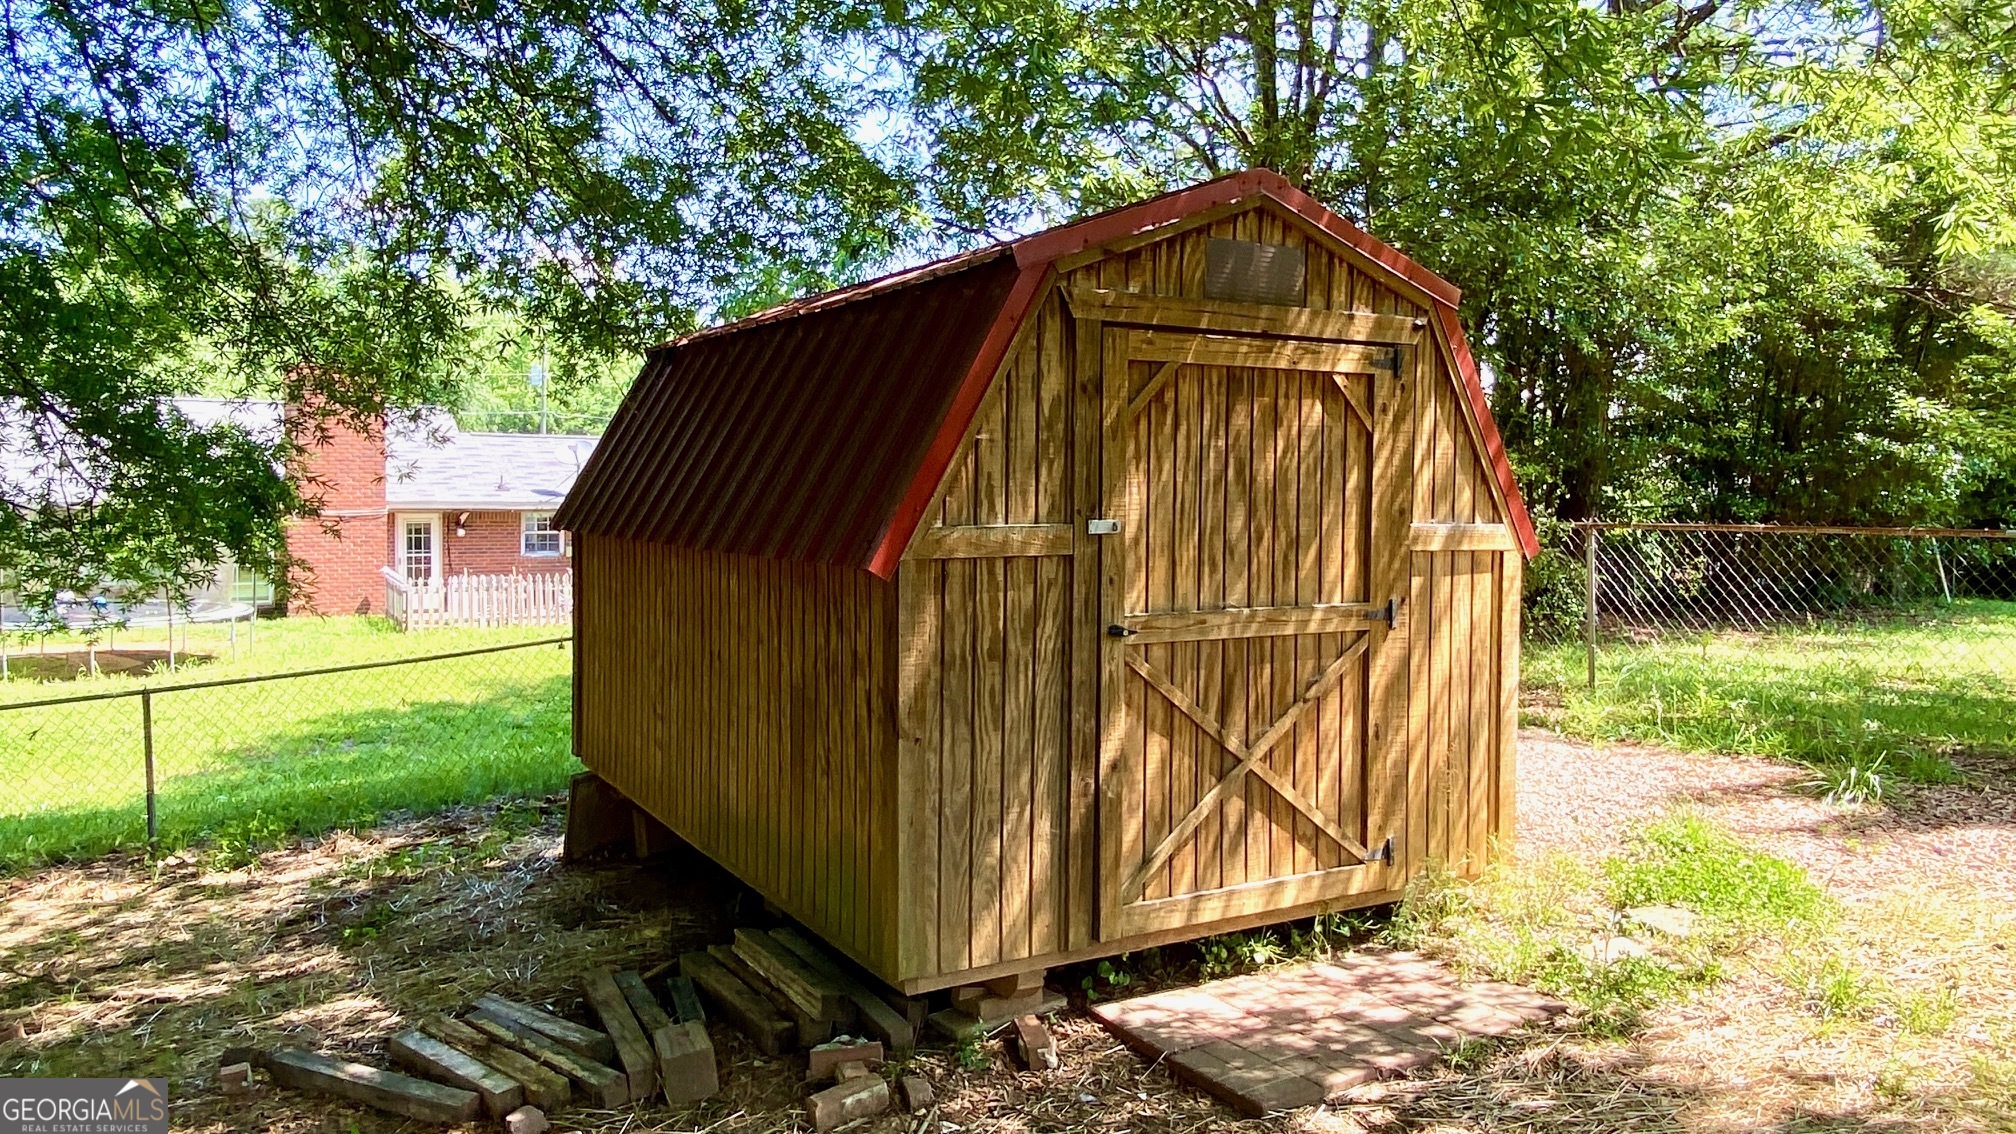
(205, 752)
(1864, 646)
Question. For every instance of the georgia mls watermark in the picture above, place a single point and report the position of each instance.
(83, 1106)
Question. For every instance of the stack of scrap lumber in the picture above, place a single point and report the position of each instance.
(982, 1009)
(515, 1061)
(786, 994)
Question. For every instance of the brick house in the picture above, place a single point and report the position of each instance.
(427, 500)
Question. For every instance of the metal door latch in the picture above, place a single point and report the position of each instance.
(1118, 631)
(1388, 614)
(1102, 527)
(1383, 852)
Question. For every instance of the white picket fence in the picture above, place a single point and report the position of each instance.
(480, 600)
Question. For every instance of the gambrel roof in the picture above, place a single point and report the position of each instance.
(818, 430)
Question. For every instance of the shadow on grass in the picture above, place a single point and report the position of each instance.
(333, 770)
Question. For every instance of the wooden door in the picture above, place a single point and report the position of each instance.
(1249, 662)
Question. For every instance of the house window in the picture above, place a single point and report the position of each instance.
(249, 586)
(537, 535)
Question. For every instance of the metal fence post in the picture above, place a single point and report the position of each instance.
(147, 745)
(1589, 538)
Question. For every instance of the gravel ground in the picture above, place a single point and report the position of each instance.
(1926, 882)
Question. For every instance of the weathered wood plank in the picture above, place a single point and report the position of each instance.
(687, 1067)
(651, 1015)
(1510, 590)
(878, 1017)
(1081, 855)
(1280, 354)
(684, 1052)
(685, 999)
(373, 1086)
(544, 1087)
(423, 1054)
(979, 541)
(602, 1084)
(806, 1029)
(633, 1046)
(985, 833)
(815, 993)
(578, 1038)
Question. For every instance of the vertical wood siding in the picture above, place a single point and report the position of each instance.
(986, 686)
(910, 767)
(996, 849)
(748, 704)
(1464, 657)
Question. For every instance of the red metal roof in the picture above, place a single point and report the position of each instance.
(792, 438)
(819, 430)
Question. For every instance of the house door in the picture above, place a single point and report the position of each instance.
(419, 548)
(1251, 755)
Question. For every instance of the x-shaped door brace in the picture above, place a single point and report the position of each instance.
(1249, 760)
(1168, 370)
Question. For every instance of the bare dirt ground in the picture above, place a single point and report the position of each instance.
(124, 967)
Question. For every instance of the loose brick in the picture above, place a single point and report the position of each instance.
(917, 1093)
(1035, 1044)
(838, 1105)
(526, 1120)
(822, 1060)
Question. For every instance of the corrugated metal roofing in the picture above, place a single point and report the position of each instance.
(818, 430)
(792, 437)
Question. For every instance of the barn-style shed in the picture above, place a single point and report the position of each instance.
(1146, 578)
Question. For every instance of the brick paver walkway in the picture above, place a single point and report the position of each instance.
(1297, 1036)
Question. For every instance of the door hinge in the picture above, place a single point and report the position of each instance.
(1389, 614)
(1118, 631)
(1102, 527)
(1383, 852)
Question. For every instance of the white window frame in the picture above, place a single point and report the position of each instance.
(433, 522)
(526, 532)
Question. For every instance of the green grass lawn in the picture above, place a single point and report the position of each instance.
(244, 764)
(1893, 698)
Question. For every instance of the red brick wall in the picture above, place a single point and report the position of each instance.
(489, 545)
(339, 551)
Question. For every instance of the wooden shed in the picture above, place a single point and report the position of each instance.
(1146, 578)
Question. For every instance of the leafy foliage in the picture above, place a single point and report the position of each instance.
(1724, 259)
(1727, 260)
(321, 202)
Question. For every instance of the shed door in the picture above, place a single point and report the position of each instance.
(1246, 765)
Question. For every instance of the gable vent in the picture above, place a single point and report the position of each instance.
(1248, 272)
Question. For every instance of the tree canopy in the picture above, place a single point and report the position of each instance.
(1721, 260)
(324, 203)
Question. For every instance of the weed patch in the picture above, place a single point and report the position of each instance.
(1684, 860)
(1555, 923)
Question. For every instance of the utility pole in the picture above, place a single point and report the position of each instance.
(537, 379)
